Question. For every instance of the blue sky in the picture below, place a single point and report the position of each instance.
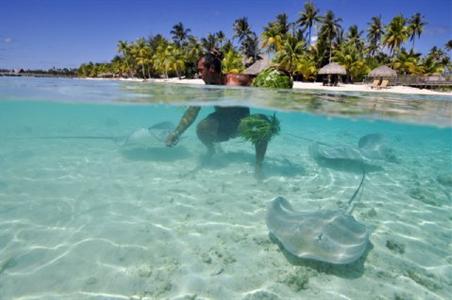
(47, 33)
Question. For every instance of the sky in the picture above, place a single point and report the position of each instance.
(65, 33)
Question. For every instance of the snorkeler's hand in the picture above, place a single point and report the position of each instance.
(172, 139)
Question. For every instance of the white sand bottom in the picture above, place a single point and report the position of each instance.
(87, 219)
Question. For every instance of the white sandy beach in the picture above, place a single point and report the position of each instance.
(306, 86)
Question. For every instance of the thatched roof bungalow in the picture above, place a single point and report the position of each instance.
(332, 69)
(383, 71)
(258, 66)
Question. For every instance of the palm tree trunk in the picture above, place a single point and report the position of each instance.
(128, 67)
(142, 69)
(331, 48)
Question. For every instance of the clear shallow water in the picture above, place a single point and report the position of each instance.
(89, 219)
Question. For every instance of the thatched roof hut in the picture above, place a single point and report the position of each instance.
(258, 66)
(332, 68)
(383, 71)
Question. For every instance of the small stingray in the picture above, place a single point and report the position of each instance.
(330, 236)
(145, 136)
(141, 136)
(370, 141)
(336, 153)
(370, 147)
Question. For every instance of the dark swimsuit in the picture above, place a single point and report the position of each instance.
(228, 119)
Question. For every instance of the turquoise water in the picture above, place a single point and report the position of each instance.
(91, 218)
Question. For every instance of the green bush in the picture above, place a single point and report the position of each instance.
(272, 78)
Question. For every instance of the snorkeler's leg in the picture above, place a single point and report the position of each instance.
(261, 149)
(207, 131)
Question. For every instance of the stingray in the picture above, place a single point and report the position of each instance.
(332, 236)
(145, 136)
(141, 136)
(370, 147)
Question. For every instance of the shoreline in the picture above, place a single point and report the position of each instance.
(298, 85)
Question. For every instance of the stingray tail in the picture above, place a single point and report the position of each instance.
(358, 189)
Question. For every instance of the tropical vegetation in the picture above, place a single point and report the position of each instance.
(298, 48)
(273, 78)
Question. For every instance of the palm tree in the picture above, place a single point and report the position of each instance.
(124, 49)
(180, 34)
(220, 37)
(272, 38)
(241, 28)
(448, 45)
(193, 48)
(227, 46)
(193, 51)
(374, 34)
(232, 62)
(142, 54)
(250, 49)
(118, 66)
(354, 37)
(176, 60)
(330, 25)
(408, 62)
(290, 53)
(210, 42)
(308, 18)
(352, 58)
(306, 67)
(282, 23)
(162, 59)
(157, 40)
(416, 26)
(330, 30)
(396, 34)
(436, 61)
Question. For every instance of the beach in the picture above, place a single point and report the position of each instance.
(343, 87)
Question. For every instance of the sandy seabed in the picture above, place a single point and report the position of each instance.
(88, 219)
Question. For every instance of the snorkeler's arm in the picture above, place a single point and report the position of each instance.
(187, 119)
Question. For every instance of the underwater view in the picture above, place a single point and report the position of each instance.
(353, 200)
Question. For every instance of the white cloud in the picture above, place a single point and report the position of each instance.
(7, 40)
(314, 39)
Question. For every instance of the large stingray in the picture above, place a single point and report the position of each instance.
(332, 236)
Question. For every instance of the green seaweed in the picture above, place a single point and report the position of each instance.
(273, 78)
(259, 128)
(428, 283)
(395, 246)
(297, 281)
